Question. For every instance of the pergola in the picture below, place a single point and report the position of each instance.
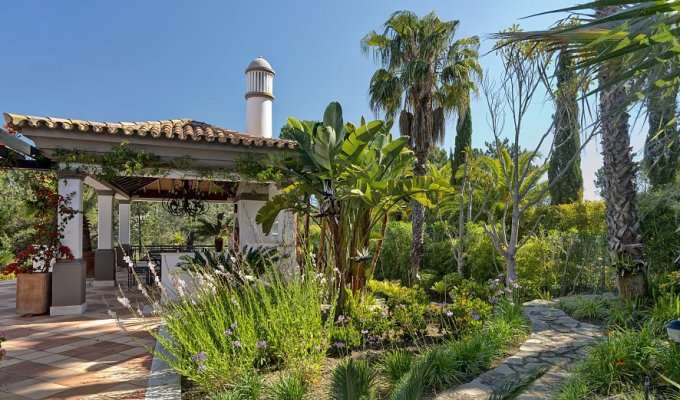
(187, 149)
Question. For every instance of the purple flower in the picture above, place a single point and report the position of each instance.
(372, 338)
(452, 296)
(475, 315)
(493, 300)
(261, 345)
(364, 332)
(449, 313)
(228, 332)
(339, 345)
(234, 325)
(199, 358)
(508, 290)
(516, 285)
(237, 343)
(202, 368)
(341, 319)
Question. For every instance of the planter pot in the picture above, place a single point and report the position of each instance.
(88, 257)
(34, 293)
(219, 244)
(673, 329)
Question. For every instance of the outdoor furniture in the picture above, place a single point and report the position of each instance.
(140, 271)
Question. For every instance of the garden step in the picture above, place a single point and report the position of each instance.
(557, 342)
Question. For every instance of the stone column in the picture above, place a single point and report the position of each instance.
(68, 276)
(104, 256)
(124, 207)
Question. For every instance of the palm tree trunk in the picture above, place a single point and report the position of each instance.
(417, 222)
(623, 223)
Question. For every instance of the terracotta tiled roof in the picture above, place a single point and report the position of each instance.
(177, 129)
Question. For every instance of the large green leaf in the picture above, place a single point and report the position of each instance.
(332, 117)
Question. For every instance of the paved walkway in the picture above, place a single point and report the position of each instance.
(72, 357)
(557, 341)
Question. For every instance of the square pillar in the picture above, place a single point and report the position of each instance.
(124, 208)
(104, 256)
(68, 276)
(249, 199)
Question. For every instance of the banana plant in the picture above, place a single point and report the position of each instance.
(347, 177)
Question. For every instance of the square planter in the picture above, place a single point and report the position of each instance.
(34, 293)
(68, 287)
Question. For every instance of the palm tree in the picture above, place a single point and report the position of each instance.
(623, 222)
(426, 74)
(641, 35)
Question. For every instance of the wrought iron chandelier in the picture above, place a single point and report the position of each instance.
(185, 199)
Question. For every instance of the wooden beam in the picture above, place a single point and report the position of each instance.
(18, 145)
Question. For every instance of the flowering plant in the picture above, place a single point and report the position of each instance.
(51, 212)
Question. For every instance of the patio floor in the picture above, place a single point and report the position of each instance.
(73, 357)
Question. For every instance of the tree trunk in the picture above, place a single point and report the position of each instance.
(623, 223)
(379, 245)
(418, 222)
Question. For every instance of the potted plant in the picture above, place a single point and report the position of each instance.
(217, 229)
(32, 266)
(673, 329)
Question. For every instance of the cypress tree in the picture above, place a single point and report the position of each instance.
(661, 147)
(463, 141)
(566, 143)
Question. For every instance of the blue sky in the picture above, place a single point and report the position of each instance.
(146, 60)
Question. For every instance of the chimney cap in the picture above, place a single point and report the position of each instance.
(260, 64)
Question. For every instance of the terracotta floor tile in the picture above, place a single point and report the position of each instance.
(35, 389)
(74, 357)
(8, 378)
(86, 379)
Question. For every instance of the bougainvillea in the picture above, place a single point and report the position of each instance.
(51, 213)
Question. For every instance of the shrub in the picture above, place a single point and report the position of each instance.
(442, 369)
(395, 258)
(574, 389)
(622, 361)
(221, 329)
(482, 259)
(666, 308)
(471, 355)
(353, 380)
(428, 278)
(439, 257)
(345, 336)
(396, 364)
(592, 307)
(249, 387)
(289, 387)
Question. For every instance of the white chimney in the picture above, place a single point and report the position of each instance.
(259, 98)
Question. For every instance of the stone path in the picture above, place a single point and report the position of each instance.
(73, 357)
(557, 341)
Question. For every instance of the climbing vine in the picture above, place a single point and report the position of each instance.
(121, 160)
